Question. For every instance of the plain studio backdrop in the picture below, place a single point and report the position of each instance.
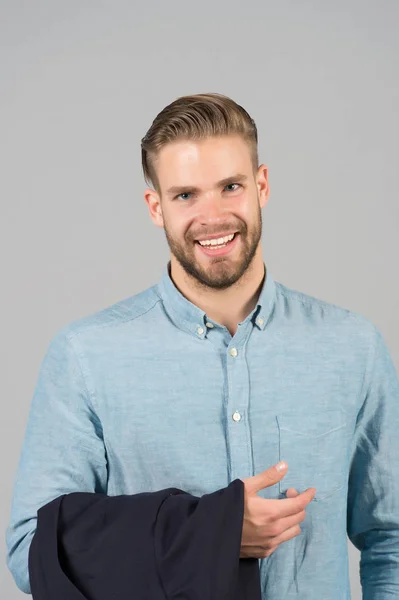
(81, 82)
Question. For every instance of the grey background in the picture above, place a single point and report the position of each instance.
(81, 83)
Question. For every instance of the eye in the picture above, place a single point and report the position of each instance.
(232, 184)
(183, 194)
(186, 194)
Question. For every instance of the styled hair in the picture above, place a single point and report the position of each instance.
(196, 117)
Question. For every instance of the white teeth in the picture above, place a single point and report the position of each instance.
(217, 241)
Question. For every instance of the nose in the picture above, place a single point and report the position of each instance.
(212, 209)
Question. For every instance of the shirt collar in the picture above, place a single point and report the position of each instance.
(191, 318)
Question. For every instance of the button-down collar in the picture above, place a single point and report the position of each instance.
(191, 318)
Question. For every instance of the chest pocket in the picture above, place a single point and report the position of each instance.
(315, 450)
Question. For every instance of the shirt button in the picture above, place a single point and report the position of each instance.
(236, 416)
(259, 321)
(233, 352)
(200, 330)
(210, 325)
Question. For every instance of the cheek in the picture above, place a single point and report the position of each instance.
(252, 211)
(177, 226)
(246, 207)
(247, 214)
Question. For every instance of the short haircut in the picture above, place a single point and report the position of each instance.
(196, 117)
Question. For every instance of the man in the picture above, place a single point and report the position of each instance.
(219, 372)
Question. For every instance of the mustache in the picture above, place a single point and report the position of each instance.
(219, 231)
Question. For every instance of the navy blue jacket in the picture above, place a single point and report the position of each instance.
(164, 545)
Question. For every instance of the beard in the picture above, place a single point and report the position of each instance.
(222, 272)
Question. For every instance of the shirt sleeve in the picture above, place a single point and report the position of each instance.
(62, 451)
(373, 494)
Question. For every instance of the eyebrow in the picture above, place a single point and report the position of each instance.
(179, 189)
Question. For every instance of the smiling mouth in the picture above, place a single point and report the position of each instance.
(217, 243)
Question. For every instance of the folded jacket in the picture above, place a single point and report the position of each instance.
(158, 545)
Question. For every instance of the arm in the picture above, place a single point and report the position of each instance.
(373, 495)
(62, 451)
(164, 544)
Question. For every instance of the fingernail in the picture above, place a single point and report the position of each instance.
(281, 465)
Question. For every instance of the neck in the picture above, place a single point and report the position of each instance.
(227, 307)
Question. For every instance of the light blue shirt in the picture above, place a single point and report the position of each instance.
(150, 393)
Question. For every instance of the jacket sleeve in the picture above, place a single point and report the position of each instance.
(157, 545)
(62, 451)
(373, 494)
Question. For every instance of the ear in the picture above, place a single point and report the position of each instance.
(262, 183)
(154, 206)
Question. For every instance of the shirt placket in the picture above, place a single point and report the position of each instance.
(237, 404)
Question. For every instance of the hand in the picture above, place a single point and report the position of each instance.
(267, 523)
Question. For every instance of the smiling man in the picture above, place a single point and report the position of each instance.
(213, 227)
(218, 372)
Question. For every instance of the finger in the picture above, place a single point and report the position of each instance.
(285, 507)
(287, 522)
(252, 552)
(288, 534)
(291, 493)
(273, 543)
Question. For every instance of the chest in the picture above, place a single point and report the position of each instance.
(204, 413)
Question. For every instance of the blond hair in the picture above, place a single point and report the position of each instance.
(196, 117)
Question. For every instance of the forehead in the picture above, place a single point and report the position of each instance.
(202, 162)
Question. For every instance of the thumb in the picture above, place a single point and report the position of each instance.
(266, 478)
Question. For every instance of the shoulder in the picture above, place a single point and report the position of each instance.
(111, 319)
(299, 307)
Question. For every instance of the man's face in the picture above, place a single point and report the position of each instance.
(209, 191)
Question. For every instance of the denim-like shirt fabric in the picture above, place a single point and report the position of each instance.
(150, 393)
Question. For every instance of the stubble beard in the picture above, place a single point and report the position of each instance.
(222, 273)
